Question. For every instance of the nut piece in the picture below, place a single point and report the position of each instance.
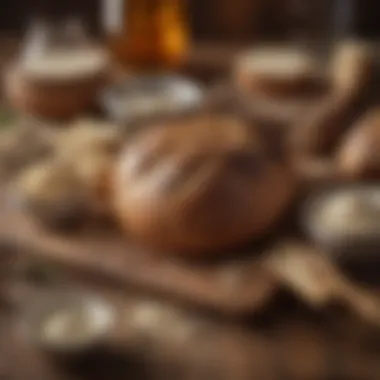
(88, 135)
(53, 194)
(91, 148)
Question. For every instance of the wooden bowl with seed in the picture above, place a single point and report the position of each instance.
(56, 88)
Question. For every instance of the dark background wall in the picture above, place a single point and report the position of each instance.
(15, 14)
(211, 19)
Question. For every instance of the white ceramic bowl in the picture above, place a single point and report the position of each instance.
(140, 99)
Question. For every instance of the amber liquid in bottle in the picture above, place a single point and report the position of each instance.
(146, 34)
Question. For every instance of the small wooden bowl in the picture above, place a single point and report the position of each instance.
(49, 98)
(278, 72)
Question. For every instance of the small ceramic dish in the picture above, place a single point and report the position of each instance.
(345, 221)
(68, 325)
(140, 99)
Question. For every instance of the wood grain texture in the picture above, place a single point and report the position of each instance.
(291, 347)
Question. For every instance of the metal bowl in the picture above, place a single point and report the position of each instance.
(94, 314)
(143, 98)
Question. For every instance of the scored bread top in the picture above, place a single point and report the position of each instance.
(178, 153)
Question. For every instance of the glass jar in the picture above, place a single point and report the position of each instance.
(146, 34)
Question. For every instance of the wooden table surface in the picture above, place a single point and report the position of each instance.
(287, 341)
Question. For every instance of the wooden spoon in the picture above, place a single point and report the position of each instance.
(310, 275)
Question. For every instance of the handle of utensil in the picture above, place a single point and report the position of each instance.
(361, 302)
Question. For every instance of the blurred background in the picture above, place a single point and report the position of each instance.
(259, 324)
(219, 20)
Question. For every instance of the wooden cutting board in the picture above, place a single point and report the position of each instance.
(235, 287)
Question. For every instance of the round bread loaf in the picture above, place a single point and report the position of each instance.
(278, 72)
(199, 185)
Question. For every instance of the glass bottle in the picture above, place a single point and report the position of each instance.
(146, 35)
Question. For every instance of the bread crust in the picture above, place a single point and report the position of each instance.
(199, 186)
